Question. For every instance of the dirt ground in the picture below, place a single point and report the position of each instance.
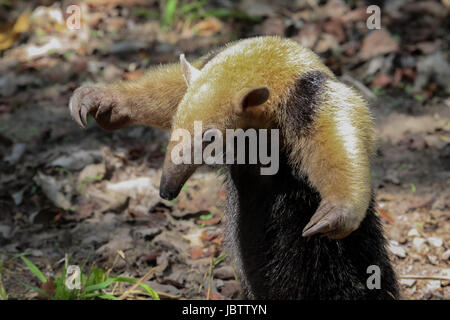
(94, 195)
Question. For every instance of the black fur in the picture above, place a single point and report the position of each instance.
(265, 219)
(266, 216)
(210, 56)
(303, 100)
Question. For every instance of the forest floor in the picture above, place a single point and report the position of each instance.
(94, 195)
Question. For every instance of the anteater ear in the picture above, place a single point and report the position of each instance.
(251, 98)
(190, 73)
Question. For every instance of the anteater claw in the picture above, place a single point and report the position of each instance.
(83, 115)
(320, 227)
(334, 221)
(75, 111)
(103, 105)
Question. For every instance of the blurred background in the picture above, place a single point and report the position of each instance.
(90, 197)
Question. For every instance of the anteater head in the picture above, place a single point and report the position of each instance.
(214, 101)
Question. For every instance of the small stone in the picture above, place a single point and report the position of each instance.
(418, 243)
(17, 151)
(415, 256)
(446, 255)
(91, 173)
(396, 249)
(433, 259)
(413, 233)
(408, 282)
(224, 273)
(230, 289)
(435, 241)
(176, 278)
(218, 283)
(5, 231)
(433, 285)
(445, 272)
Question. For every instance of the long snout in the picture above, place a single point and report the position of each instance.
(174, 176)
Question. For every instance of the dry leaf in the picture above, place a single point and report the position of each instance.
(385, 215)
(381, 81)
(133, 75)
(208, 222)
(198, 252)
(273, 27)
(49, 287)
(208, 26)
(377, 43)
(10, 32)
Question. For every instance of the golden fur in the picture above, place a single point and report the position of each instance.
(335, 155)
(153, 98)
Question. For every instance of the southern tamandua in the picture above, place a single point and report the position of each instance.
(323, 185)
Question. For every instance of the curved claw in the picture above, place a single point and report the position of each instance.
(330, 220)
(75, 110)
(83, 115)
(321, 227)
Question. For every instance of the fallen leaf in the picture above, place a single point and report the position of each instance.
(213, 295)
(334, 27)
(308, 35)
(198, 252)
(49, 287)
(133, 75)
(208, 27)
(273, 27)
(432, 8)
(359, 14)
(326, 42)
(51, 188)
(377, 43)
(385, 215)
(381, 81)
(10, 32)
(16, 154)
(76, 160)
(208, 222)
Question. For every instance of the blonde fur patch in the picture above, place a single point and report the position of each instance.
(335, 154)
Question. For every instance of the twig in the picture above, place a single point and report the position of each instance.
(144, 278)
(417, 277)
(359, 85)
(168, 295)
(210, 279)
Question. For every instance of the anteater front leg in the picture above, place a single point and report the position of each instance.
(150, 100)
(336, 158)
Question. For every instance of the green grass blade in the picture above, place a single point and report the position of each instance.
(169, 12)
(34, 270)
(219, 259)
(191, 6)
(91, 295)
(144, 286)
(150, 291)
(98, 286)
(108, 297)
